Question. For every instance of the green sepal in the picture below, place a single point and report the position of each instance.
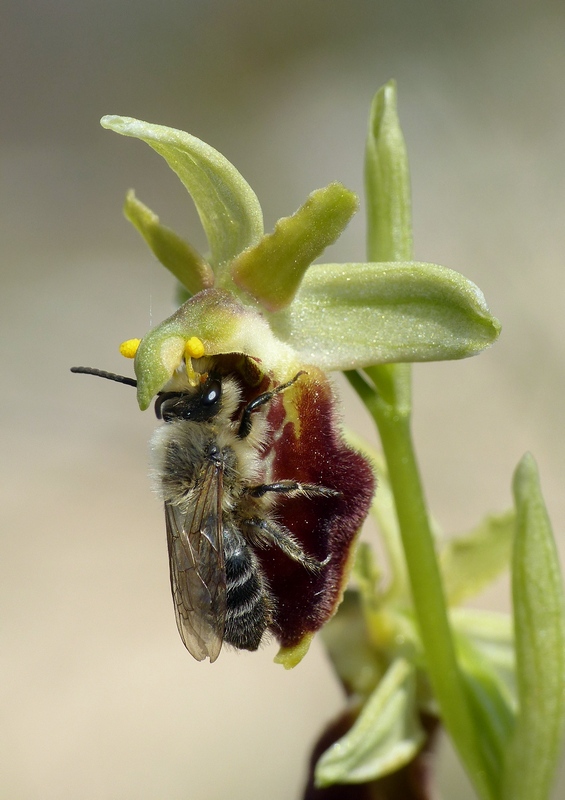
(272, 270)
(347, 316)
(472, 561)
(386, 735)
(178, 256)
(223, 325)
(533, 752)
(387, 182)
(228, 208)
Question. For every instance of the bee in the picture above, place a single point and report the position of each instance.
(208, 467)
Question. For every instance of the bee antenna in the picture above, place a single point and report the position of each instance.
(100, 373)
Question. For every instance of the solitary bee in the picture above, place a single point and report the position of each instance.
(207, 465)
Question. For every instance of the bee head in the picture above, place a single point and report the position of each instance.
(212, 396)
(199, 406)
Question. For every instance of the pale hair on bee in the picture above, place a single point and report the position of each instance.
(207, 467)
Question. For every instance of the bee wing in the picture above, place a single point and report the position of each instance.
(196, 561)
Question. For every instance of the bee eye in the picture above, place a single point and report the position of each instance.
(200, 407)
(212, 393)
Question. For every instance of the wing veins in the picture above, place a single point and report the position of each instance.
(196, 561)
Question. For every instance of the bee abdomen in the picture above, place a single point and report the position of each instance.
(249, 604)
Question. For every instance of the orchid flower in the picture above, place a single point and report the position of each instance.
(258, 306)
(257, 296)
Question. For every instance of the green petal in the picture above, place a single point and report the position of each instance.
(386, 735)
(470, 562)
(387, 182)
(272, 270)
(186, 264)
(223, 325)
(539, 629)
(347, 316)
(228, 207)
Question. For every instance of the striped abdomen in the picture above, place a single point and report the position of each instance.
(249, 604)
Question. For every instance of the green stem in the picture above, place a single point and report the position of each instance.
(389, 404)
(389, 400)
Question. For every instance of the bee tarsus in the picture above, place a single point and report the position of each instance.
(261, 400)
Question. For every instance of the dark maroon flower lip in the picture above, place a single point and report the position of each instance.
(307, 445)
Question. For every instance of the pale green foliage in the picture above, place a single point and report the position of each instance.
(539, 622)
(386, 735)
(503, 706)
(471, 561)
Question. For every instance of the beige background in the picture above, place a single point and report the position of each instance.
(98, 698)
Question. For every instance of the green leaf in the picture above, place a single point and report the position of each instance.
(489, 702)
(186, 264)
(228, 208)
(470, 562)
(539, 628)
(347, 316)
(387, 182)
(386, 735)
(272, 270)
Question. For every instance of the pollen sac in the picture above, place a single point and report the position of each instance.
(306, 445)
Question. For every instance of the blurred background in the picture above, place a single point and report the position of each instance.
(98, 697)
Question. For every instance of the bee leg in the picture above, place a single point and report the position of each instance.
(263, 533)
(292, 489)
(245, 423)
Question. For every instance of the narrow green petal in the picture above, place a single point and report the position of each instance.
(539, 629)
(272, 270)
(387, 182)
(470, 562)
(186, 264)
(228, 207)
(347, 316)
(223, 325)
(386, 735)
